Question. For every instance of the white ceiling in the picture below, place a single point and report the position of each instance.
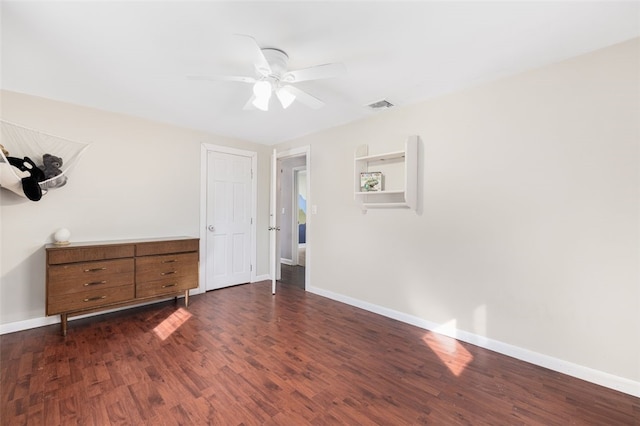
(134, 57)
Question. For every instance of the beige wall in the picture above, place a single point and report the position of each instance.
(137, 179)
(528, 230)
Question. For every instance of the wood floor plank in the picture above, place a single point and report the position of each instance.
(241, 356)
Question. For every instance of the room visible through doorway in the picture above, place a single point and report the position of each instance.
(293, 211)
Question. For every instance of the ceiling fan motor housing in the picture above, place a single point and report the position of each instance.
(277, 60)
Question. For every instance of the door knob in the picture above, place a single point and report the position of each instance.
(211, 228)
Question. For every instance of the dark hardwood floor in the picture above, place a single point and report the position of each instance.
(242, 356)
(292, 275)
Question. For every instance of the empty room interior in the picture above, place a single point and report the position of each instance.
(307, 212)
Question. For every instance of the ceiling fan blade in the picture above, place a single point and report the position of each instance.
(238, 78)
(315, 73)
(260, 61)
(304, 97)
(249, 105)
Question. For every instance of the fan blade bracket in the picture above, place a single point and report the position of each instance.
(263, 71)
(288, 78)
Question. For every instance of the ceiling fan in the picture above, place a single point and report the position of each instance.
(272, 76)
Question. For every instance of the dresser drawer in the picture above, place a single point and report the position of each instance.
(79, 277)
(86, 254)
(163, 247)
(166, 285)
(157, 275)
(89, 299)
(152, 268)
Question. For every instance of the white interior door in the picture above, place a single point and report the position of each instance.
(229, 219)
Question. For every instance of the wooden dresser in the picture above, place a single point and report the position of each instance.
(93, 276)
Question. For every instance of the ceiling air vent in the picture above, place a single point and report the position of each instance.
(379, 105)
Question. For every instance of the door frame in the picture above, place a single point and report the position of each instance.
(297, 152)
(205, 148)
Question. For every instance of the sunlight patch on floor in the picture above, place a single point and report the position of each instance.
(452, 354)
(172, 323)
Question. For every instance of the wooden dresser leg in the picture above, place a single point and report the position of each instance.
(63, 324)
(186, 298)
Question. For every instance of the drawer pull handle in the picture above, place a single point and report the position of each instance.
(94, 283)
(95, 269)
(169, 261)
(93, 299)
(169, 285)
(168, 273)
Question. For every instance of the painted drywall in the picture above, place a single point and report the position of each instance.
(527, 230)
(137, 179)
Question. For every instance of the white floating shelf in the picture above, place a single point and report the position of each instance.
(374, 193)
(400, 174)
(382, 157)
(386, 205)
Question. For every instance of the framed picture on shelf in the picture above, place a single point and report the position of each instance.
(370, 181)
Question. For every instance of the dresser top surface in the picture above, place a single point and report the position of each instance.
(83, 244)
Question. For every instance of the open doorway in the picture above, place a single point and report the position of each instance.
(299, 246)
(292, 204)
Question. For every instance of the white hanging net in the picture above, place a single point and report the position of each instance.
(17, 174)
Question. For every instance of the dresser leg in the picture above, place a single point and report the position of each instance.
(186, 298)
(63, 324)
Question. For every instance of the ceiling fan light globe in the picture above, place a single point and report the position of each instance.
(262, 103)
(262, 89)
(285, 97)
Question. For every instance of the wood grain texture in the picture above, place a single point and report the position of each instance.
(150, 248)
(78, 277)
(72, 254)
(240, 356)
(82, 286)
(166, 274)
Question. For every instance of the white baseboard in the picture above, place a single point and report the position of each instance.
(601, 378)
(13, 327)
(286, 261)
(263, 277)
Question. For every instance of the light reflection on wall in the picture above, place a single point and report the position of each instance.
(172, 323)
(480, 320)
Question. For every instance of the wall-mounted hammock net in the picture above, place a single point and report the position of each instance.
(17, 174)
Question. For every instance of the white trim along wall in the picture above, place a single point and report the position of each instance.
(581, 372)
